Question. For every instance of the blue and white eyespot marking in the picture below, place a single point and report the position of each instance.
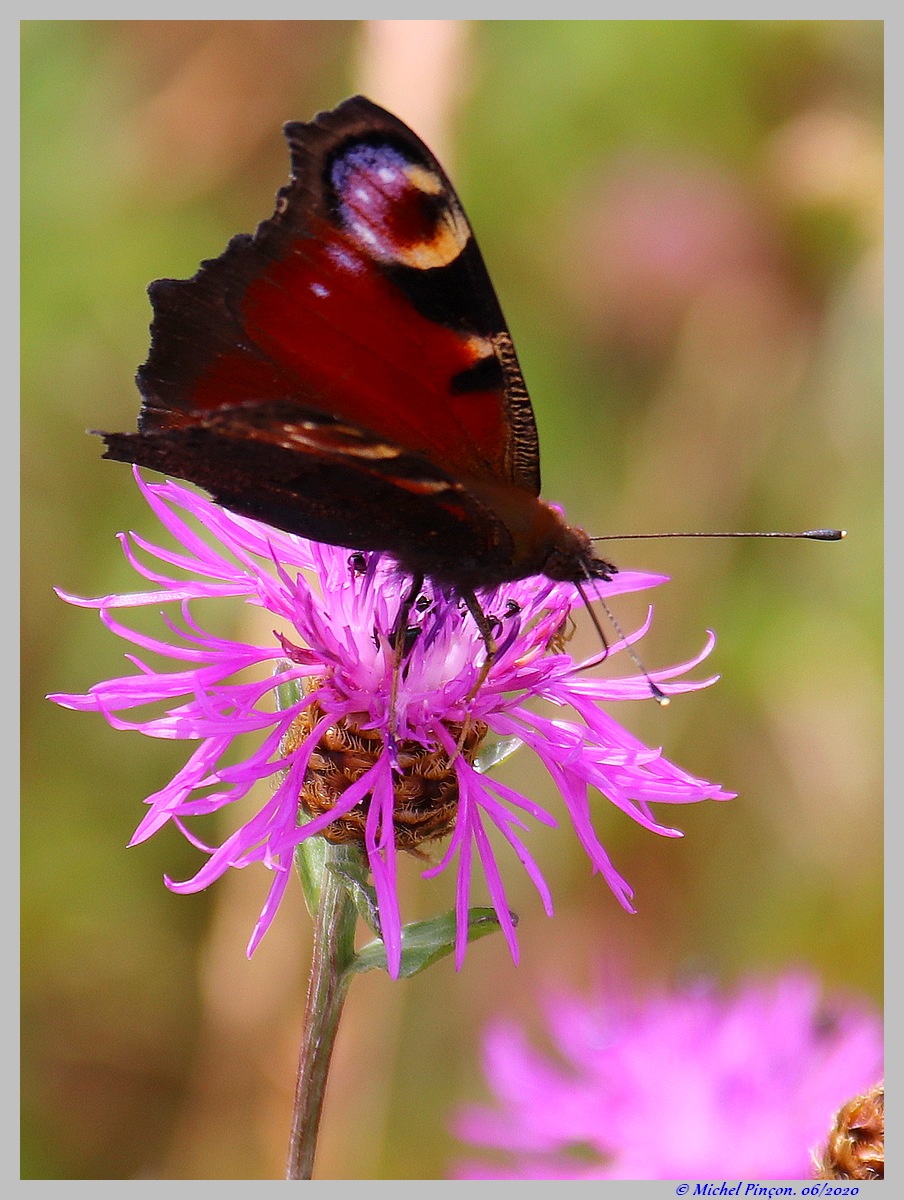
(396, 209)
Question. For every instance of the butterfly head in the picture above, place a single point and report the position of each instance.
(561, 551)
(572, 560)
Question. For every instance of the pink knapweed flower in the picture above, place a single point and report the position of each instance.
(334, 613)
(686, 1085)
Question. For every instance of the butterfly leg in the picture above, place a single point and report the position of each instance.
(486, 627)
(400, 637)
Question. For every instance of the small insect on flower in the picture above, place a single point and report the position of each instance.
(361, 752)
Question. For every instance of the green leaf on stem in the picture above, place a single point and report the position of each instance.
(310, 858)
(354, 874)
(425, 942)
(494, 751)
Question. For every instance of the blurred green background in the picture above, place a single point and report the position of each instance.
(684, 224)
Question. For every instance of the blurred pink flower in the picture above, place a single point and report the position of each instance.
(656, 233)
(336, 639)
(688, 1084)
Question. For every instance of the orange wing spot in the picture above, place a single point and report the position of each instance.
(424, 487)
(478, 348)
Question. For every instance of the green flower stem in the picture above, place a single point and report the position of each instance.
(334, 951)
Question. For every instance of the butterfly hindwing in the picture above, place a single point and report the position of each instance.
(313, 475)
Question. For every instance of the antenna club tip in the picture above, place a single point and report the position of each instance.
(828, 535)
(660, 697)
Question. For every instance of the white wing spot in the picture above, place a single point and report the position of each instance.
(319, 290)
(344, 260)
(365, 233)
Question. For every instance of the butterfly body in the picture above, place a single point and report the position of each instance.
(346, 373)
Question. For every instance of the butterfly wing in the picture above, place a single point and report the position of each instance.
(363, 304)
(304, 472)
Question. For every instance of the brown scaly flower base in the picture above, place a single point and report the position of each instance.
(856, 1148)
(426, 786)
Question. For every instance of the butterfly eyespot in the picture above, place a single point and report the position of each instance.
(395, 209)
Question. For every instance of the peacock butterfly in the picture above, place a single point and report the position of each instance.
(346, 373)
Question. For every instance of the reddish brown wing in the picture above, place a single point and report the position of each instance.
(364, 300)
(309, 474)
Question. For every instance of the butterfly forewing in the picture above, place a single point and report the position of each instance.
(345, 373)
(364, 298)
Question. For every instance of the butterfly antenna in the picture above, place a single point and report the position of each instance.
(816, 535)
(658, 695)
